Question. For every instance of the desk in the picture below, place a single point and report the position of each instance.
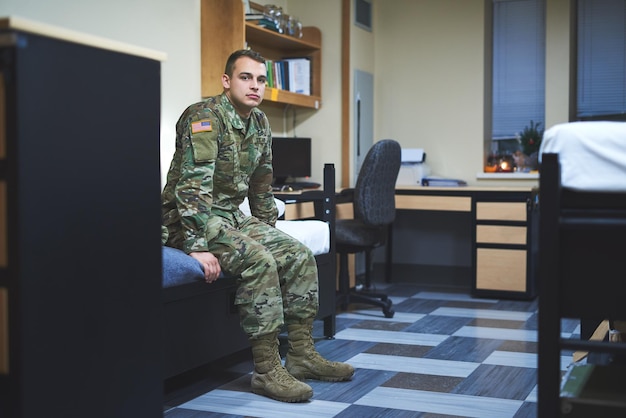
(503, 233)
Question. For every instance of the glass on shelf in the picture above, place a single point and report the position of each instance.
(281, 22)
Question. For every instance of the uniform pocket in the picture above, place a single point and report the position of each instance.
(205, 146)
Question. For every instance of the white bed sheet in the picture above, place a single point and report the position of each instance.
(314, 234)
(592, 154)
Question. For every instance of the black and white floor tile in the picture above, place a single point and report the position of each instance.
(443, 354)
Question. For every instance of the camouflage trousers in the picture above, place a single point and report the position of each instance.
(277, 281)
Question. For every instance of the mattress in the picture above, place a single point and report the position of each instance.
(314, 234)
(592, 154)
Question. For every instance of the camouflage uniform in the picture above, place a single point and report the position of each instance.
(219, 160)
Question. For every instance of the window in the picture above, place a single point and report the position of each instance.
(601, 84)
(518, 67)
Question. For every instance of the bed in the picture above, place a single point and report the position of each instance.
(582, 263)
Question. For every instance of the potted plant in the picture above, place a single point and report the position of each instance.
(530, 141)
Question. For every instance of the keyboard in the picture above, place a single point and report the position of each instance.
(295, 186)
(299, 185)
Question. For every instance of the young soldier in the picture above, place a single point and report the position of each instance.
(223, 154)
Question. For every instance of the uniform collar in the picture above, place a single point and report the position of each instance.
(234, 117)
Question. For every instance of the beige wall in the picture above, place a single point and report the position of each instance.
(429, 81)
(427, 57)
(323, 125)
(558, 60)
(162, 25)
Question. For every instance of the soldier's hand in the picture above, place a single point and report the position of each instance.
(210, 264)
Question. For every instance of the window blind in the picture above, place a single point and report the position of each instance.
(601, 58)
(518, 65)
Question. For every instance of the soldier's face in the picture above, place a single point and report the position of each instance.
(246, 87)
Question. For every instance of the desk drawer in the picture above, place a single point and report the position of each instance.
(501, 211)
(445, 203)
(500, 269)
(495, 234)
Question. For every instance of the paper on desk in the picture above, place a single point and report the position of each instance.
(413, 155)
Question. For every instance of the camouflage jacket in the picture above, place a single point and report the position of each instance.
(219, 160)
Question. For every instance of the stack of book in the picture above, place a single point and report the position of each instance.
(291, 74)
(265, 21)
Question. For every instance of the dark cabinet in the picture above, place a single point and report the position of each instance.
(80, 254)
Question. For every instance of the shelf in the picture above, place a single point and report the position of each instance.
(273, 45)
(310, 40)
(274, 95)
(508, 176)
(594, 389)
(224, 20)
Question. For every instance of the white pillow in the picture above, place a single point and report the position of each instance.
(245, 207)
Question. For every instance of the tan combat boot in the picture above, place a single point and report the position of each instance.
(304, 362)
(270, 378)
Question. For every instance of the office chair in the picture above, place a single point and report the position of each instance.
(374, 205)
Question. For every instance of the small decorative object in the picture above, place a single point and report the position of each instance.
(505, 164)
(493, 160)
(525, 163)
(274, 18)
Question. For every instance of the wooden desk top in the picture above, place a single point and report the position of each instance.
(463, 189)
(454, 199)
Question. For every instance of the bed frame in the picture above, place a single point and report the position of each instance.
(201, 322)
(582, 269)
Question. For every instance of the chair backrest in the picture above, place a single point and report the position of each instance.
(374, 193)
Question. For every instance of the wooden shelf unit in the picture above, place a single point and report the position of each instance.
(224, 20)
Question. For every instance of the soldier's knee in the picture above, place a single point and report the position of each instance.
(247, 256)
(260, 259)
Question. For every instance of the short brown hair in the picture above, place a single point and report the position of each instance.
(230, 63)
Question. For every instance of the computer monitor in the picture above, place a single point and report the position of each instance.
(291, 158)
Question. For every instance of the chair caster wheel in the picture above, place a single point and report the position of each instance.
(387, 310)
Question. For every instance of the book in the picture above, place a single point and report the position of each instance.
(285, 74)
(256, 16)
(436, 181)
(269, 64)
(299, 74)
(278, 75)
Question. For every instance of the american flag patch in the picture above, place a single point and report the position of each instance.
(203, 125)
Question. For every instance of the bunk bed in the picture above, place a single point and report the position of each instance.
(582, 265)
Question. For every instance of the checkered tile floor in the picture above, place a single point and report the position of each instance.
(443, 354)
